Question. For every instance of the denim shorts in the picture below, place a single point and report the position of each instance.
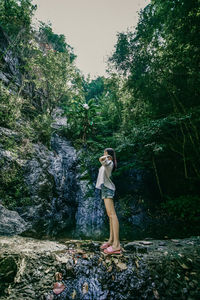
(106, 192)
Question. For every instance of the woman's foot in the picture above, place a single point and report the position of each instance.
(110, 242)
(110, 250)
(106, 245)
(116, 247)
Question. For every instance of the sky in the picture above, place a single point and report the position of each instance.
(90, 27)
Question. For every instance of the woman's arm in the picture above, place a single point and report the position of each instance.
(102, 158)
(105, 160)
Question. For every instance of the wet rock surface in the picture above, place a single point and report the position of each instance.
(148, 269)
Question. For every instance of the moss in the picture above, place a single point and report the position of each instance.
(13, 190)
(8, 143)
(19, 145)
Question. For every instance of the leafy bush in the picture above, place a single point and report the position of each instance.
(16, 15)
(185, 207)
(43, 130)
(82, 118)
(10, 105)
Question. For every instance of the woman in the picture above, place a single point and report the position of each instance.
(107, 187)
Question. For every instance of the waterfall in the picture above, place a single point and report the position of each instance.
(77, 209)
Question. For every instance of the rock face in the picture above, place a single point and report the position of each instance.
(65, 202)
(51, 178)
(149, 269)
(63, 169)
(63, 196)
(10, 222)
(11, 61)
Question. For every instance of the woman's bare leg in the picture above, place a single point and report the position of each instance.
(111, 239)
(109, 204)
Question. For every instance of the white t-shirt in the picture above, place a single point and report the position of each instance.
(104, 174)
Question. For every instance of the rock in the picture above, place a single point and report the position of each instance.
(60, 120)
(10, 59)
(4, 77)
(51, 178)
(11, 223)
(162, 244)
(29, 267)
(145, 242)
(135, 247)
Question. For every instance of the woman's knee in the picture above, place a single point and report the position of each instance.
(112, 214)
(109, 212)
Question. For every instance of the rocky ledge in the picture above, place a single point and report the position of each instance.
(77, 269)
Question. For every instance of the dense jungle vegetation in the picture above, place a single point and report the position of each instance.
(147, 109)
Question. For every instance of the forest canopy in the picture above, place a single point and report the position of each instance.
(147, 109)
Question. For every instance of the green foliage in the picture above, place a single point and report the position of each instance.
(94, 88)
(186, 207)
(10, 105)
(103, 114)
(8, 143)
(45, 74)
(13, 190)
(57, 40)
(160, 58)
(160, 121)
(82, 118)
(16, 16)
(48, 73)
(42, 129)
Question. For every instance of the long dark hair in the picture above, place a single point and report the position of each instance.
(111, 152)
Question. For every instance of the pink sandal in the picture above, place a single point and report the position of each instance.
(110, 250)
(104, 246)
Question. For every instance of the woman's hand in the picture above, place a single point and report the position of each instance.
(104, 157)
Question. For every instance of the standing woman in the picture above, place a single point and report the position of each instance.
(107, 187)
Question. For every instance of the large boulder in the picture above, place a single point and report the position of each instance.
(11, 222)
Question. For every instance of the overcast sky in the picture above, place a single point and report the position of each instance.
(90, 27)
